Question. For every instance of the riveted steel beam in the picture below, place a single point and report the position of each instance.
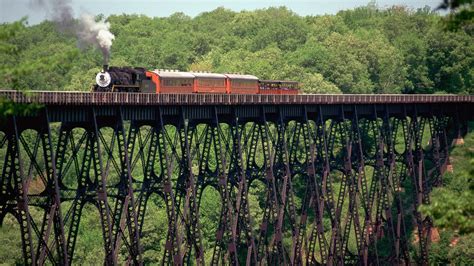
(335, 177)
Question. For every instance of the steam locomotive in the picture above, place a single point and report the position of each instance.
(137, 79)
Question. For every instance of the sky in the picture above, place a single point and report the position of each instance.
(12, 10)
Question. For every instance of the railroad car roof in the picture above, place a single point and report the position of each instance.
(170, 74)
(208, 75)
(239, 76)
(277, 81)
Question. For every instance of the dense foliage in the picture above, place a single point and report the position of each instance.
(365, 50)
(461, 15)
(452, 208)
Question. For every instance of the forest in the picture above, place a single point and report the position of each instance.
(363, 50)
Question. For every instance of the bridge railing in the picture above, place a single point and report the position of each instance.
(88, 98)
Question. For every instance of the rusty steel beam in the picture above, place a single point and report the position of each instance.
(336, 177)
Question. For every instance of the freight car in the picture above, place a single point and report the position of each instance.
(128, 79)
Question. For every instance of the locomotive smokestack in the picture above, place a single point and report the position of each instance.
(105, 68)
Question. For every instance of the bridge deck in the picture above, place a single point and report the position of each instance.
(87, 98)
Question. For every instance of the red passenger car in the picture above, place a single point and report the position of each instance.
(209, 83)
(172, 81)
(242, 84)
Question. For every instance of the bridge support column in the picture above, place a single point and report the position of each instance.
(30, 162)
(14, 173)
(334, 180)
(191, 189)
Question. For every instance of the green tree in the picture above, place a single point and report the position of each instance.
(450, 62)
(315, 83)
(461, 15)
(452, 209)
(10, 55)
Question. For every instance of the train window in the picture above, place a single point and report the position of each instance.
(243, 83)
(289, 86)
(270, 86)
(148, 86)
(211, 82)
(264, 86)
(177, 82)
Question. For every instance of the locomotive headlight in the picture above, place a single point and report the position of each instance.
(103, 79)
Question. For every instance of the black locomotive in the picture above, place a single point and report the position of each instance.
(120, 79)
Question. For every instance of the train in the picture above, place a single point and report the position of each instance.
(138, 79)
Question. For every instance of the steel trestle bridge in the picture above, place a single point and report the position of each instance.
(343, 174)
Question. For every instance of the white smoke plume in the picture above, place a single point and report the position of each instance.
(96, 33)
(87, 29)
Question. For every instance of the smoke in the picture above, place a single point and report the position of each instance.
(96, 33)
(87, 29)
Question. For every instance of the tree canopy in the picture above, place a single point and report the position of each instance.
(364, 50)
